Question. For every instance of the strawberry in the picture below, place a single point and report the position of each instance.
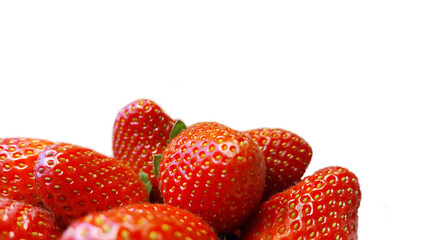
(215, 172)
(142, 130)
(287, 156)
(322, 206)
(19, 220)
(73, 181)
(140, 221)
(17, 160)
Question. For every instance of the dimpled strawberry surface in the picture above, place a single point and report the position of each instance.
(168, 181)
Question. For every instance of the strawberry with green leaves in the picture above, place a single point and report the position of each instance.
(19, 220)
(17, 160)
(215, 172)
(286, 154)
(140, 221)
(74, 180)
(141, 130)
(322, 206)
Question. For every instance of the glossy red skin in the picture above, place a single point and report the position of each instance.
(324, 204)
(19, 220)
(142, 130)
(215, 172)
(17, 160)
(141, 221)
(287, 157)
(73, 181)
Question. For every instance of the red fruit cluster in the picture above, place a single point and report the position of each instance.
(207, 181)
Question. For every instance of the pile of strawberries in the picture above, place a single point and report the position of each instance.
(170, 181)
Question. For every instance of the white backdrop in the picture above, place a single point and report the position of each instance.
(346, 76)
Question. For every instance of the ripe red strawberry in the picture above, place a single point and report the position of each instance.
(19, 220)
(287, 156)
(215, 172)
(73, 181)
(142, 130)
(141, 221)
(322, 206)
(17, 160)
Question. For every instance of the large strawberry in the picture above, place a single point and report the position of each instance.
(17, 160)
(286, 154)
(322, 206)
(19, 220)
(215, 172)
(140, 221)
(142, 130)
(73, 181)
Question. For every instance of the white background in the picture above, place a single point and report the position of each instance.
(346, 76)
